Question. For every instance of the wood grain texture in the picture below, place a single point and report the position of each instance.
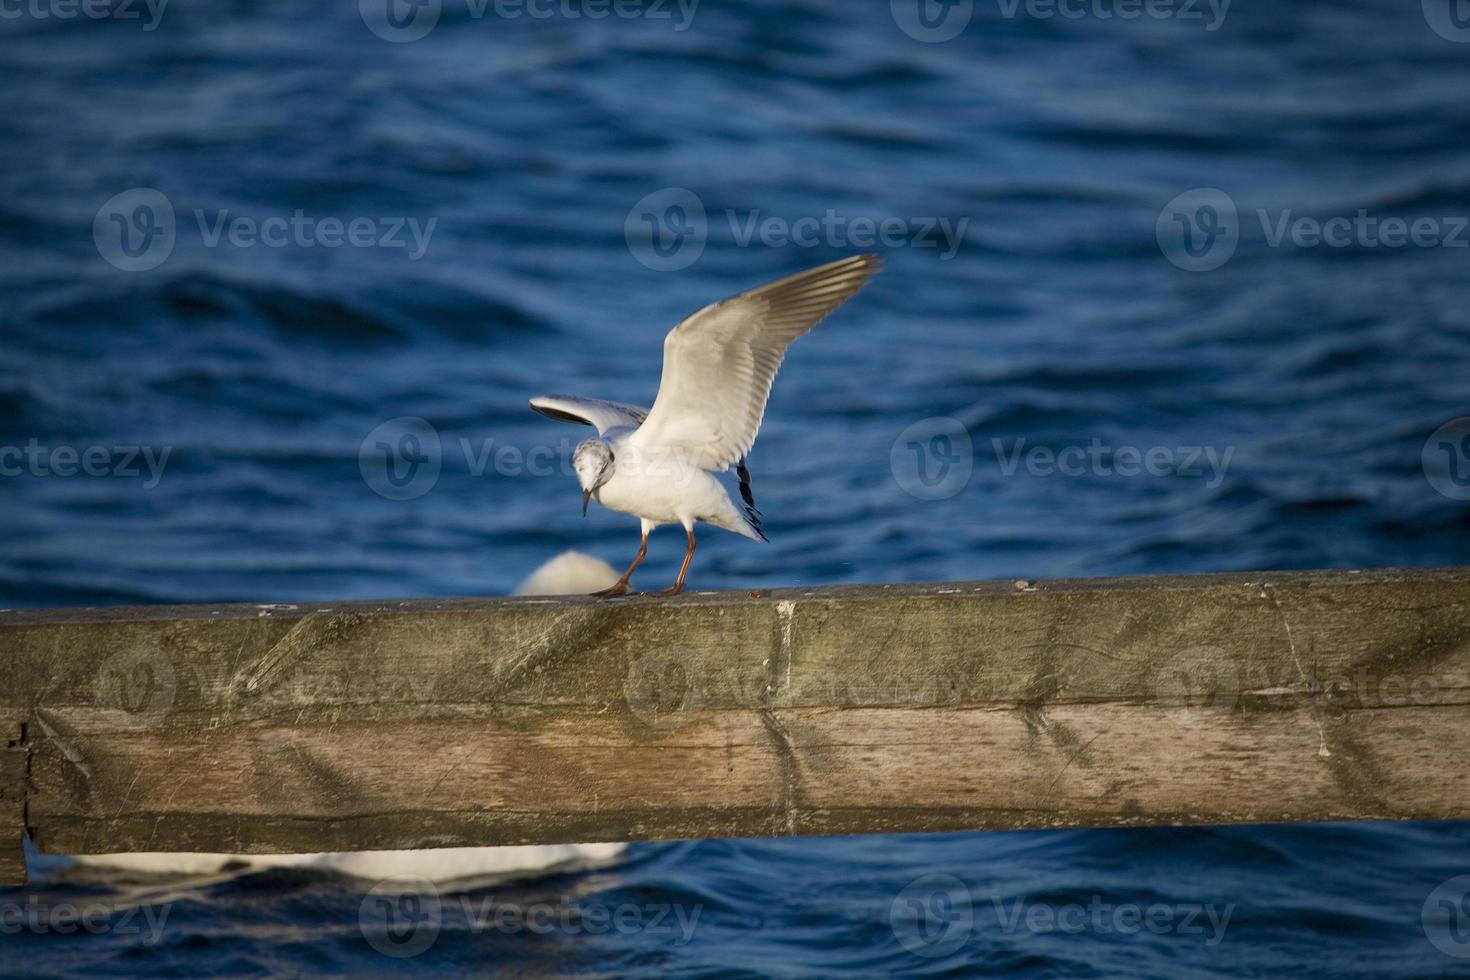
(1196, 699)
(13, 770)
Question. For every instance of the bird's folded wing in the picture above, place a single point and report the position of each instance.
(605, 415)
(720, 362)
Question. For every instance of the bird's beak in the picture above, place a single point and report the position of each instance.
(586, 496)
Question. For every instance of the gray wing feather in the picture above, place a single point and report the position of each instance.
(602, 415)
(720, 362)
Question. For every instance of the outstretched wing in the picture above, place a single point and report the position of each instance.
(604, 415)
(720, 362)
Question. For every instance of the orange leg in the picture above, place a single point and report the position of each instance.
(620, 587)
(684, 568)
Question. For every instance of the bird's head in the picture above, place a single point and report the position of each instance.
(593, 461)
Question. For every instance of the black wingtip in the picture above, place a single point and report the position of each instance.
(752, 515)
(742, 474)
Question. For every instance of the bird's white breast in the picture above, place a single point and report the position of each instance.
(663, 486)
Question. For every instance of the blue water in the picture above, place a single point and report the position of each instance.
(1315, 374)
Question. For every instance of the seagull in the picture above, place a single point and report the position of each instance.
(658, 464)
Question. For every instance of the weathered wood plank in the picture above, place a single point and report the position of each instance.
(13, 768)
(1264, 697)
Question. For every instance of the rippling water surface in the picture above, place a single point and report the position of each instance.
(1312, 375)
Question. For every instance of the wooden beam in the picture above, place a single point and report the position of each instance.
(340, 726)
(13, 767)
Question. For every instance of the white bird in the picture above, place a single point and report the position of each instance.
(658, 464)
